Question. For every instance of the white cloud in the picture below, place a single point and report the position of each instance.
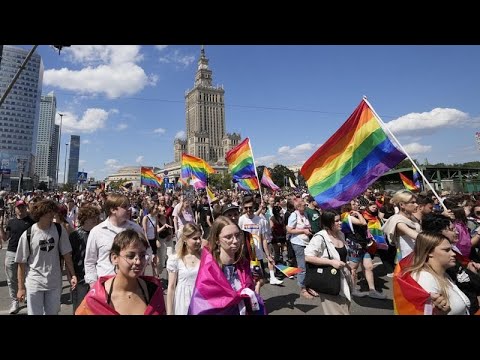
(416, 148)
(287, 155)
(112, 165)
(122, 126)
(92, 120)
(139, 159)
(108, 69)
(161, 47)
(86, 141)
(159, 131)
(175, 57)
(430, 122)
(181, 135)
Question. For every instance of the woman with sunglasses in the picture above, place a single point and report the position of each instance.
(127, 292)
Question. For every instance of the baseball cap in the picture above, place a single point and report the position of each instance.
(20, 203)
(305, 195)
(227, 207)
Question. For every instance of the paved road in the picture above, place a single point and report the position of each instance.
(279, 300)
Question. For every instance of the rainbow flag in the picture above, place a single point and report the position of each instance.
(409, 184)
(267, 180)
(247, 184)
(195, 167)
(351, 160)
(416, 179)
(288, 271)
(240, 161)
(148, 178)
(375, 228)
(409, 298)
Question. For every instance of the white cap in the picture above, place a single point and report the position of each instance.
(304, 195)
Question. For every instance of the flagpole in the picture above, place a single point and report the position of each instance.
(256, 173)
(384, 126)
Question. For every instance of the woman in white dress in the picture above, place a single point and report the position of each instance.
(433, 255)
(182, 270)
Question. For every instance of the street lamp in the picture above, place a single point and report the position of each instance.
(58, 150)
(65, 171)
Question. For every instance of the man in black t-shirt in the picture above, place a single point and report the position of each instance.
(15, 228)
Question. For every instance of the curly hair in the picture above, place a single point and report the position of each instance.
(42, 208)
(87, 212)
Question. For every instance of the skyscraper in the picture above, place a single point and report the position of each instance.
(205, 119)
(74, 159)
(19, 113)
(46, 134)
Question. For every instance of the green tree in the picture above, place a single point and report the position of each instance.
(279, 172)
(67, 187)
(220, 181)
(405, 164)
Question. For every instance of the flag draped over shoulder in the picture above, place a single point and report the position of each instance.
(267, 180)
(197, 169)
(247, 184)
(351, 160)
(409, 298)
(240, 161)
(409, 184)
(213, 294)
(416, 179)
(375, 228)
(148, 178)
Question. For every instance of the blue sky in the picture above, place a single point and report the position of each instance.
(127, 102)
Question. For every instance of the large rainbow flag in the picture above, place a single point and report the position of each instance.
(409, 184)
(351, 160)
(195, 168)
(148, 178)
(240, 161)
(247, 184)
(409, 298)
(267, 180)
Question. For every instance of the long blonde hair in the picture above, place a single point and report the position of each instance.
(425, 244)
(188, 231)
(213, 239)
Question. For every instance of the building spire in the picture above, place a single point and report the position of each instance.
(204, 74)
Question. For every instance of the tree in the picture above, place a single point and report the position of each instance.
(67, 187)
(42, 186)
(279, 172)
(405, 164)
(220, 181)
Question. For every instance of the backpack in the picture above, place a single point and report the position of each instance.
(29, 237)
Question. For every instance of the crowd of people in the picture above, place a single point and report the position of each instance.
(219, 253)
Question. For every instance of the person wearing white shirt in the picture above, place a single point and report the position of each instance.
(100, 239)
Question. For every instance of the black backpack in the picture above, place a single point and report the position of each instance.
(29, 236)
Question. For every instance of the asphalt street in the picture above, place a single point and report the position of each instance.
(279, 300)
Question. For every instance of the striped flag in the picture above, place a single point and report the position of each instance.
(416, 179)
(247, 184)
(409, 184)
(351, 160)
(267, 180)
(240, 161)
(211, 196)
(148, 178)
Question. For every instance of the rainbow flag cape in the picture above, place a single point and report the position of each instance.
(375, 228)
(213, 294)
(95, 302)
(148, 178)
(409, 184)
(240, 161)
(267, 180)
(351, 160)
(247, 184)
(288, 270)
(195, 167)
(416, 179)
(409, 298)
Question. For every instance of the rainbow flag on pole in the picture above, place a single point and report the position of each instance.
(197, 169)
(240, 161)
(148, 178)
(247, 184)
(416, 178)
(351, 160)
(409, 184)
(267, 180)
